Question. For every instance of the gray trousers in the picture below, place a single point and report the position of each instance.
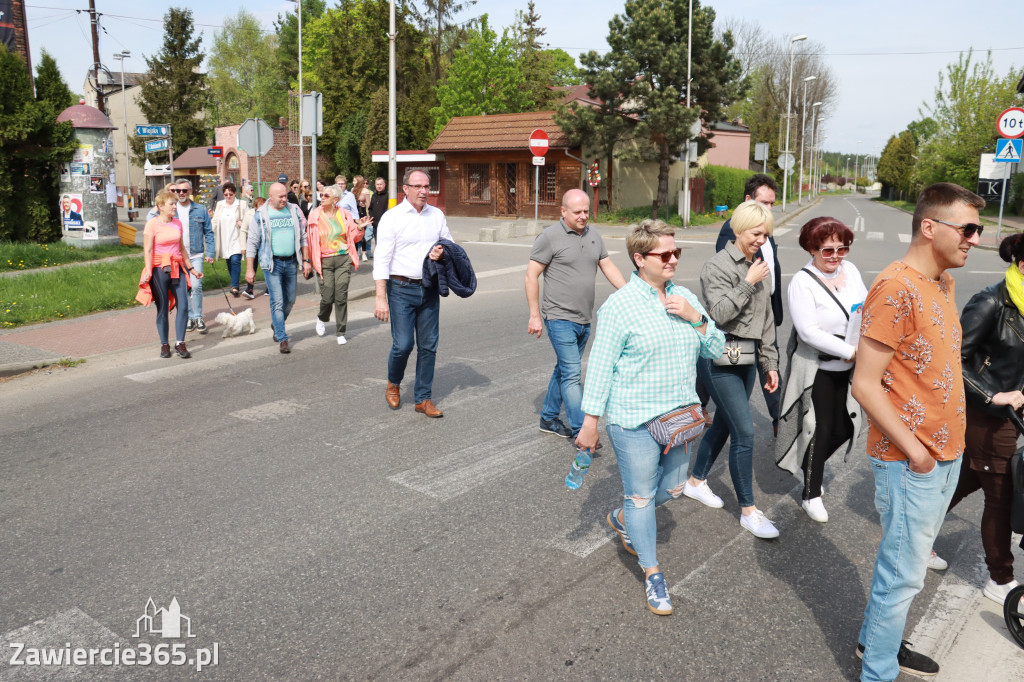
(334, 289)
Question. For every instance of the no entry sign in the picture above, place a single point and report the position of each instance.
(539, 142)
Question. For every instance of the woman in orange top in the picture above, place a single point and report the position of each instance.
(163, 246)
(332, 235)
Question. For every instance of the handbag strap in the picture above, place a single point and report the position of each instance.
(828, 291)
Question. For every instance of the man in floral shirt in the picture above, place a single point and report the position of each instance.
(908, 381)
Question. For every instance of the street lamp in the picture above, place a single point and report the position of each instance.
(302, 163)
(814, 122)
(856, 168)
(789, 108)
(129, 199)
(803, 134)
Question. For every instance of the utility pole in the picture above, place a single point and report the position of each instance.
(94, 20)
(392, 117)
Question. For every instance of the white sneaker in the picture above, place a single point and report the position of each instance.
(364, 257)
(997, 593)
(758, 524)
(702, 493)
(342, 340)
(815, 509)
(321, 327)
(937, 563)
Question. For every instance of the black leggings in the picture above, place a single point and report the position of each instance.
(161, 283)
(833, 426)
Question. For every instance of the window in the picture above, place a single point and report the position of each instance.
(478, 182)
(434, 174)
(548, 183)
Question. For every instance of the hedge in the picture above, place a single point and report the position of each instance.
(724, 185)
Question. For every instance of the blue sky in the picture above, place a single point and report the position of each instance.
(886, 56)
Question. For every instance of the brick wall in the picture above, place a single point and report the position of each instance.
(282, 157)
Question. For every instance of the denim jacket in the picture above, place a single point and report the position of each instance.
(200, 228)
(258, 241)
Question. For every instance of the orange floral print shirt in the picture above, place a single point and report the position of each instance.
(916, 316)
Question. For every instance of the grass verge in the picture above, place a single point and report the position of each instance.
(71, 292)
(632, 216)
(24, 256)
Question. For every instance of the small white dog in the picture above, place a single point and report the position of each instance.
(235, 325)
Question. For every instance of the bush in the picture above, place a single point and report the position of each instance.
(724, 186)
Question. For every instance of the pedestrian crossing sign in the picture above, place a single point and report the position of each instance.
(1008, 150)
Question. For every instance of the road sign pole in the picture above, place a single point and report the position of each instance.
(1002, 200)
(536, 193)
(259, 153)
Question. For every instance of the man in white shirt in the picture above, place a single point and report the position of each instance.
(407, 234)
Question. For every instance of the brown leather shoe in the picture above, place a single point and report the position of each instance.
(284, 347)
(428, 408)
(393, 396)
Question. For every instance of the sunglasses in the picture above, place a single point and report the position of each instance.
(665, 256)
(181, 191)
(968, 230)
(830, 251)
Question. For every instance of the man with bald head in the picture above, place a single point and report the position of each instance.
(277, 235)
(568, 254)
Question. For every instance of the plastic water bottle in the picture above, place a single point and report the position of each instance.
(580, 464)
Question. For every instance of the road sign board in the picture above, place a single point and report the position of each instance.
(539, 142)
(311, 119)
(255, 137)
(761, 151)
(215, 151)
(786, 161)
(1008, 151)
(152, 131)
(1011, 123)
(990, 190)
(157, 145)
(538, 161)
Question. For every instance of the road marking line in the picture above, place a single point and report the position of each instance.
(501, 271)
(521, 246)
(74, 626)
(585, 544)
(782, 231)
(268, 411)
(876, 236)
(858, 223)
(461, 471)
(904, 238)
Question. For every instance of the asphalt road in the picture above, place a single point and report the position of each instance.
(312, 533)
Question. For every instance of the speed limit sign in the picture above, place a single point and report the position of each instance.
(1011, 123)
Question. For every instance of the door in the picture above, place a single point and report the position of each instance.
(508, 205)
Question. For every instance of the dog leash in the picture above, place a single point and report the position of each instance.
(224, 291)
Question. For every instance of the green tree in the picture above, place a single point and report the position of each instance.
(174, 90)
(543, 69)
(437, 21)
(485, 78)
(244, 79)
(32, 148)
(50, 86)
(896, 165)
(923, 129)
(641, 83)
(968, 99)
(287, 28)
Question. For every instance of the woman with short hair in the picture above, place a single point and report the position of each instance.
(738, 298)
(227, 225)
(332, 234)
(643, 366)
(818, 412)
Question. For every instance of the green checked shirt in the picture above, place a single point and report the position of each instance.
(644, 360)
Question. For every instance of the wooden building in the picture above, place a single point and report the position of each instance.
(489, 171)
(416, 159)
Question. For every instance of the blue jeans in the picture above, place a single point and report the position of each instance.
(195, 303)
(161, 283)
(730, 388)
(568, 339)
(647, 475)
(234, 268)
(414, 313)
(911, 507)
(281, 289)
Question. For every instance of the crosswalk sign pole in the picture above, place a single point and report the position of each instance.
(1002, 199)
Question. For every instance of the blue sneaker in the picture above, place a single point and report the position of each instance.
(657, 595)
(613, 521)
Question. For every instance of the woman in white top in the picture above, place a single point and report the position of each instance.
(227, 220)
(818, 412)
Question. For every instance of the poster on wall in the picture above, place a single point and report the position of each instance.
(83, 154)
(112, 193)
(79, 168)
(7, 26)
(71, 211)
(96, 184)
(91, 230)
(65, 172)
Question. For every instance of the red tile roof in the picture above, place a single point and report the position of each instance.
(498, 131)
(196, 157)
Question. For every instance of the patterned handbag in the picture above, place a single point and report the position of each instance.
(677, 426)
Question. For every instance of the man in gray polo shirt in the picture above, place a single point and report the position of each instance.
(568, 253)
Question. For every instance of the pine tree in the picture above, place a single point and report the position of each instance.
(50, 86)
(174, 90)
(32, 147)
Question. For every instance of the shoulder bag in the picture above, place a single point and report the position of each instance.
(737, 352)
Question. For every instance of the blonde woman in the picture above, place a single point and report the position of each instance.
(737, 293)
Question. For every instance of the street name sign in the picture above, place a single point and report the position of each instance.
(215, 151)
(1011, 123)
(1008, 150)
(152, 131)
(157, 146)
(539, 142)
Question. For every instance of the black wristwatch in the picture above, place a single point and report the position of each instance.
(306, 260)
(701, 322)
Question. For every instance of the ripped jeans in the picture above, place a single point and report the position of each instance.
(647, 477)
